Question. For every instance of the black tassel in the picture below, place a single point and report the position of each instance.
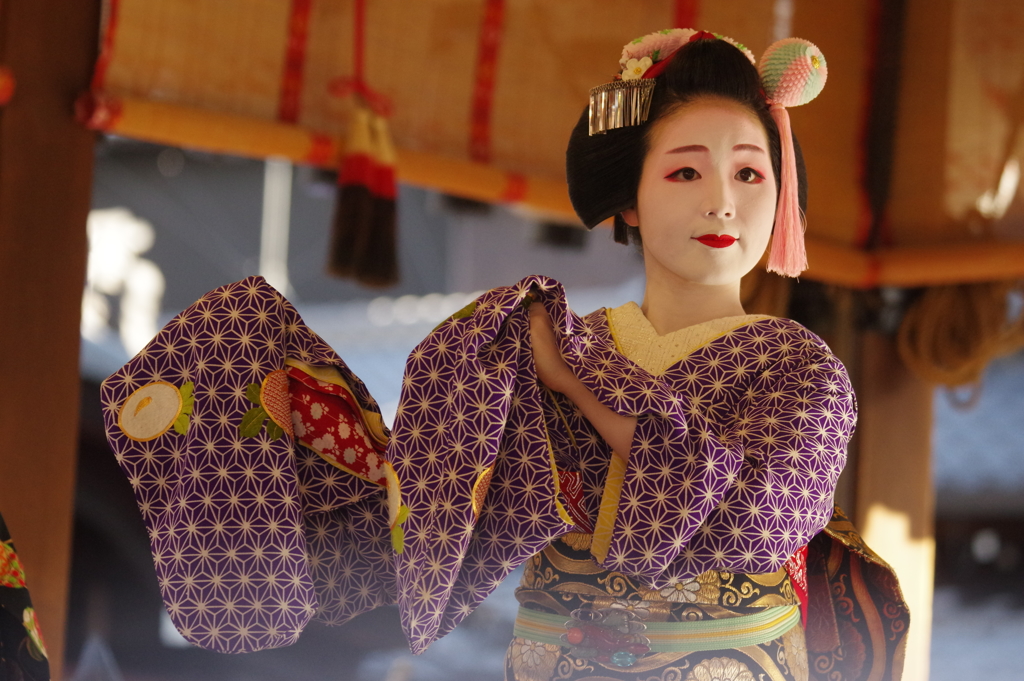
(364, 244)
(377, 246)
(378, 261)
(353, 216)
(353, 210)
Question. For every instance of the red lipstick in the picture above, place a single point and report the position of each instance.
(716, 241)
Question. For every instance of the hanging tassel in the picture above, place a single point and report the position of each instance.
(793, 72)
(353, 212)
(364, 245)
(788, 255)
(377, 249)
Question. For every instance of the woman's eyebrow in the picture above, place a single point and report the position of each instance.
(702, 148)
(687, 148)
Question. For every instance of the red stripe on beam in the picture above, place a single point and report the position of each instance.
(294, 61)
(321, 149)
(483, 88)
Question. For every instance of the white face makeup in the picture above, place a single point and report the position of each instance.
(706, 201)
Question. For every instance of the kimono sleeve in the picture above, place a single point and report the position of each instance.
(201, 424)
(793, 430)
(738, 489)
(476, 471)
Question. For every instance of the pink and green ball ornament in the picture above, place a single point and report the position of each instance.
(793, 72)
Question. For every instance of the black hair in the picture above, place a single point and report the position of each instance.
(604, 170)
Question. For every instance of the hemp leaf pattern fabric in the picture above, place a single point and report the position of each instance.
(736, 453)
(228, 515)
(733, 465)
(471, 405)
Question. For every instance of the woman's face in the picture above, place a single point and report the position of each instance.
(706, 201)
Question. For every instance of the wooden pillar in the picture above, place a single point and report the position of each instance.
(46, 162)
(895, 495)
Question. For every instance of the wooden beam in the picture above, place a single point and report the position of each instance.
(46, 162)
(831, 262)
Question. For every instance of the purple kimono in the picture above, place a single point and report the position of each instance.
(733, 466)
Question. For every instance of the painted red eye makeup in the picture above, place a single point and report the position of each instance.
(683, 175)
(750, 176)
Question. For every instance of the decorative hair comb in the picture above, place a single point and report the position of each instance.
(626, 100)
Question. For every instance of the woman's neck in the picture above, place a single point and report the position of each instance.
(673, 305)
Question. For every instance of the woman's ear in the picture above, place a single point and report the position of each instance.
(630, 216)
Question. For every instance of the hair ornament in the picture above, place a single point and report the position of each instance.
(626, 100)
(661, 45)
(620, 103)
(793, 72)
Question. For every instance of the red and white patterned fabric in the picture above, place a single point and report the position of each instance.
(796, 566)
(327, 419)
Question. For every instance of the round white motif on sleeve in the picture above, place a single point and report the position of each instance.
(150, 411)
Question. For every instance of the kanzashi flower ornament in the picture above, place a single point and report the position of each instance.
(636, 68)
(627, 100)
(662, 44)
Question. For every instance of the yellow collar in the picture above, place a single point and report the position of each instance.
(636, 338)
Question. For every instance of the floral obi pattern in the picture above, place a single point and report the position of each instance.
(564, 577)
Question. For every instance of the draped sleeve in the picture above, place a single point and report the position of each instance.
(273, 493)
(735, 466)
(473, 454)
(252, 531)
(792, 431)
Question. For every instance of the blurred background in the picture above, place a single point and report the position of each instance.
(152, 150)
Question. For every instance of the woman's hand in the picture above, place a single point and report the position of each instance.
(552, 370)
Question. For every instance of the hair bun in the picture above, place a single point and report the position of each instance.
(793, 71)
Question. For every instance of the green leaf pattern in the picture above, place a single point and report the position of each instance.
(252, 422)
(274, 431)
(188, 401)
(181, 424)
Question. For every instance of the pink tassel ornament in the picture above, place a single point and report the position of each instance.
(793, 72)
(788, 255)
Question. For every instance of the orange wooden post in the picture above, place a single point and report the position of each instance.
(894, 490)
(46, 162)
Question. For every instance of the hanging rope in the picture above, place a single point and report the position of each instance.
(355, 85)
(364, 240)
(951, 333)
